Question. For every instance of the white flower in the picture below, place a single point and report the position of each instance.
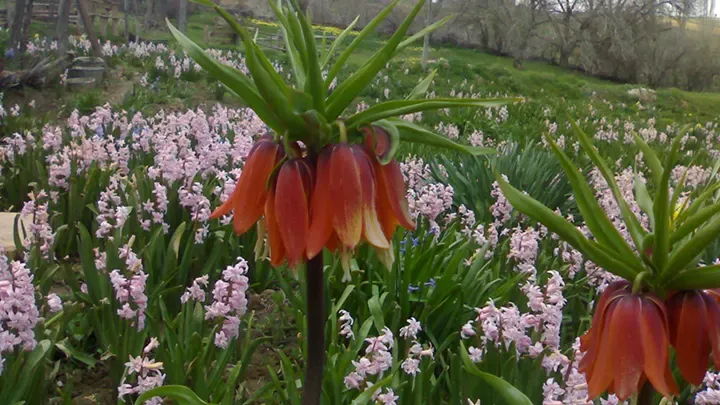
(411, 330)
(475, 354)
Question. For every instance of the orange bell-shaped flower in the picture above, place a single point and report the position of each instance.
(694, 319)
(344, 201)
(627, 343)
(248, 199)
(291, 210)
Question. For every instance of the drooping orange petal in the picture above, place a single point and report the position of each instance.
(321, 223)
(393, 189)
(372, 231)
(590, 342)
(248, 198)
(346, 189)
(241, 185)
(277, 250)
(602, 369)
(713, 322)
(692, 342)
(291, 207)
(655, 345)
(627, 345)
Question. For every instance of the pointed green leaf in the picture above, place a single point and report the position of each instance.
(337, 42)
(510, 394)
(396, 108)
(597, 221)
(271, 86)
(692, 223)
(315, 84)
(651, 159)
(421, 89)
(296, 60)
(697, 204)
(663, 212)
(232, 78)
(181, 394)
(643, 199)
(633, 224)
(421, 34)
(367, 30)
(694, 246)
(410, 132)
(567, 231)
(697, 279)
(346, 91)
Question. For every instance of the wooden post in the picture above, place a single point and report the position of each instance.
(89, 28)
(114, 16)
(103, 25)
(61, 30)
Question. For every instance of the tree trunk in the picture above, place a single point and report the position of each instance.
(89, 27)
(26, 25)
(426, 40)
(137, 21)
(182, 16)
(126, 9)
(61, 30)
(149, 12)
(17, 24)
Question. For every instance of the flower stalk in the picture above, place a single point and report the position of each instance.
(315, 316)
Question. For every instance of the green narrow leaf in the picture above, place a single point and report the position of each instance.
(643, 199)
(367, 395)
(232, 78)
(694, 246)
(697, 279)
(315, 83)
(597, 221)
(338, 305)
(178, 393)
(692, 223)
(421, 89)
(346, 91)
(410, 132)
(697, 204)
(29, 370)
(71, 352)
(394, 108)
(337, 42)
(661, 205)
(295, 59)
(18, 229)
(87, 261)
(376, 312)
(421, 34)
(367, 30)
(567, 231)
(510, 394)
(633, 224)
(651, 159)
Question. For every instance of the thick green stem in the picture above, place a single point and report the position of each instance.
(315, 360)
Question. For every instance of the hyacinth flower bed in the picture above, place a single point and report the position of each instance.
(137, 260)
